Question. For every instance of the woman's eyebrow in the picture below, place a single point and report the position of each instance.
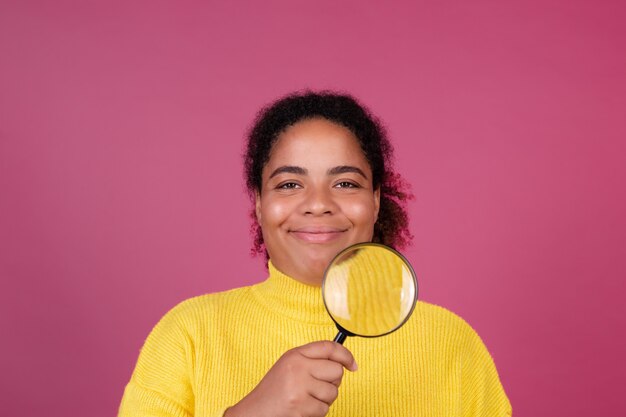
(288, 169)
(342, 169)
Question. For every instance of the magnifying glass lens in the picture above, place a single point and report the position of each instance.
(369, 290)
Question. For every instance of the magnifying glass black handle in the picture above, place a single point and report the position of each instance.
(340, 338)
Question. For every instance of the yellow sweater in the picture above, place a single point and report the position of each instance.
(210, 351)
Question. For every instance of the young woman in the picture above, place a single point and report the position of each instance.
(318, 169)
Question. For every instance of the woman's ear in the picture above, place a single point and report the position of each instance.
(257, 205)
(376, 203)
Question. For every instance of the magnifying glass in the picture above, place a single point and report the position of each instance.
(369, 290)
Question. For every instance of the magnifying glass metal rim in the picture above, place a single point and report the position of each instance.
(345, 332)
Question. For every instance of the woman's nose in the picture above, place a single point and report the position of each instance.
(318, 202)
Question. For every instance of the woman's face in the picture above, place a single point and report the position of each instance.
(316, 198)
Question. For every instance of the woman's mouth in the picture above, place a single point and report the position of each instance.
(317, 235)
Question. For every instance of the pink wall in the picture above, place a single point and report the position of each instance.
(121, 127)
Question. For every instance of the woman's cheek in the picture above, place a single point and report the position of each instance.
(275, 213)
(361, 212)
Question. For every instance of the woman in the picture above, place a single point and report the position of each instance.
(318, 168)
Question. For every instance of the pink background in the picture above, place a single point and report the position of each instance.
(121, 192)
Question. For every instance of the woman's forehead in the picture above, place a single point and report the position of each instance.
(317, 141)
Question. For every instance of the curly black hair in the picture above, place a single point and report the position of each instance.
(392, 226)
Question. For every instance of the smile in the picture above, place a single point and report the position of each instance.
(315, 235)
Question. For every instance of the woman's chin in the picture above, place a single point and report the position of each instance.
(314, 268)
(308, 266)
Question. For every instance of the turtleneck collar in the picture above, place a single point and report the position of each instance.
(292, 298)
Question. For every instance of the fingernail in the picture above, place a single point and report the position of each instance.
(354, 367)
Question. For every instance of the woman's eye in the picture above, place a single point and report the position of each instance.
(288, 186)
(346, 184)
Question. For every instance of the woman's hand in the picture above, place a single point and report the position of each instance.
(304, 382)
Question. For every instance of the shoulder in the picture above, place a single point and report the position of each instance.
(439, 318)
(207, 302)
(202, 306)
(444, 327)
(165, 371)
(196, 314)
(458, 343)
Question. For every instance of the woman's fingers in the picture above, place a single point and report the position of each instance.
(323, 391)
(331, 351)
(327, 371)
(314, 408)
(303, 382)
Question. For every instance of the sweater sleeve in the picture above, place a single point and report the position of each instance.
(481, 390)
(161, 382)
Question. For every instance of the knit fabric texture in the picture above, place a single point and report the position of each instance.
(208, 352)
